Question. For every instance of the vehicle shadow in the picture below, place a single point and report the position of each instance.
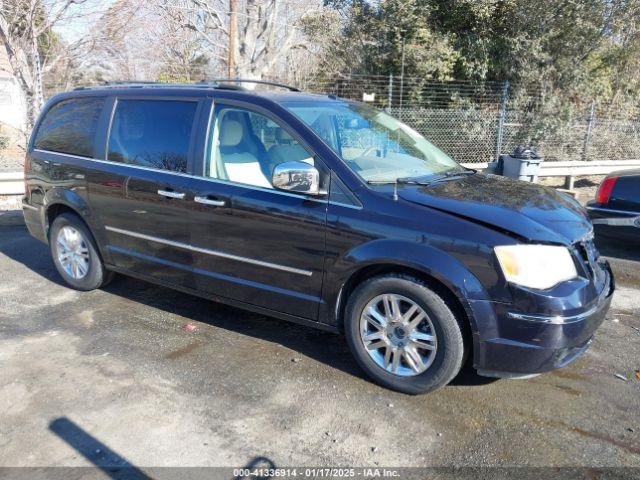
(468, 377)
(17, 244)
(325, 347)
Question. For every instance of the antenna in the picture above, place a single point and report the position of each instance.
(395, 189)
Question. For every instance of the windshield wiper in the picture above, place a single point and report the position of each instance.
(433, 179)
(442, 176)
(424, 180)
(406, 181)
(466, 171)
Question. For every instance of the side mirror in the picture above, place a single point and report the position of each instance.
(299, 177)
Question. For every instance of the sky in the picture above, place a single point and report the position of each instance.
(79, 18)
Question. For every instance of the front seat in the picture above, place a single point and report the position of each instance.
(238, 163)
(287, 150)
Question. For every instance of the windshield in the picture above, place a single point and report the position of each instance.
(375, 145)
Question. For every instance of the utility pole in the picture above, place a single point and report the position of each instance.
(401, 77)
(286, 33)
(587, 135)
(501, 117)
(37, 93)
(232, 38)
(390, 93)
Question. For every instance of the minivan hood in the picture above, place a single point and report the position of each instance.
(531, 211)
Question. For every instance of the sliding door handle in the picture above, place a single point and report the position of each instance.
(209, 201)
(171, 194)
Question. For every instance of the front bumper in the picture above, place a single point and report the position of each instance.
(517, 344)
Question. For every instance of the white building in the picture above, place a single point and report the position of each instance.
(13, 108)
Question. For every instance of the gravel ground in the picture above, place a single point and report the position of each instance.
(585, 187)
(146, 376)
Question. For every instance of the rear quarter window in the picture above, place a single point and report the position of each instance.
(152, 133)
(70, 127)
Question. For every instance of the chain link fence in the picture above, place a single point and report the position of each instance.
(477, 122)
(466, 134)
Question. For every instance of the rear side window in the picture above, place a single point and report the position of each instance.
(70, 127)
(152, 133)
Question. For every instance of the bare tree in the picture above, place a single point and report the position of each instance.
(268, 32)
(264, 38)
(140, 41)
(184, 53)
(204, 23)
(24, 27)
(127, 43)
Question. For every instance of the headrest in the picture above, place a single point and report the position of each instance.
(230, 133)
(282, 136)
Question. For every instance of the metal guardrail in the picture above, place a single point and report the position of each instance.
(11, 183)
(574, 168)
(570, 170)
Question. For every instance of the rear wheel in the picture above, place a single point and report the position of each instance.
(75, 254)
(403, 334)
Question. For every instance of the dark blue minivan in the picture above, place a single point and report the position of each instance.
(321, 211)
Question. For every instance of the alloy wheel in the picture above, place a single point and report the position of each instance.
(73, 253)
(398, 335)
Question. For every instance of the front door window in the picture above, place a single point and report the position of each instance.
(245, 147)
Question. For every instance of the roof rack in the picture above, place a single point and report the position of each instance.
(137, 84)
(258, 82)
(220, 83)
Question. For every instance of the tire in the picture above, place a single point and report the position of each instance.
(69, 229)
(445, 355)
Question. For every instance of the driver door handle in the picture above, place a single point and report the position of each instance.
(209, 201)
(171, 194)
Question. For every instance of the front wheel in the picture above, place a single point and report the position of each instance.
(403, 334)
(75, 254)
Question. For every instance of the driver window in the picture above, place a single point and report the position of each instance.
(245, 147)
